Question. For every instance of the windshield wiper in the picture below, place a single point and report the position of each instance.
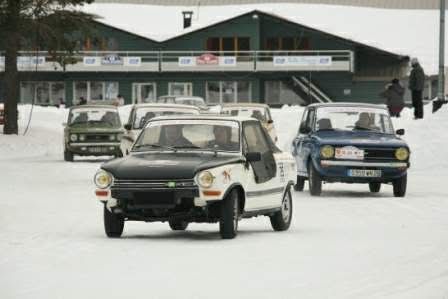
(154, 145)
(187, 146)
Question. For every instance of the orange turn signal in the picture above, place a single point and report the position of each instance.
(211, 193)
(102, 193)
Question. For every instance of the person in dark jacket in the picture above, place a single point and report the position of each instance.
(394, 97)
(416, 85)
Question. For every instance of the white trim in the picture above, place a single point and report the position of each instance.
(364, 164)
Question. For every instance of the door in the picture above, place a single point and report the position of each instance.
(180, 89)
(144, 93)
(263, 187)
(302, 143)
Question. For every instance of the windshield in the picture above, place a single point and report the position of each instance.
(256, 112)
(190, 101)
(143, 115)
(191, 135)
(353, 119)
(85, 117)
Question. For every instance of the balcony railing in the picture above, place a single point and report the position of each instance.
(187, 61)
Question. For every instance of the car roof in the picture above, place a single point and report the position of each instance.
(347, 104)
(261, 105)
(189, 98)
(218, 117)
(94, 106)
(165, 105)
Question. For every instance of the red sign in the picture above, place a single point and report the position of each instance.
(207, 59)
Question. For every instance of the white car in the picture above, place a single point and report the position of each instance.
(183, 100)
(141, 113)
(201, 168)
(255, 110)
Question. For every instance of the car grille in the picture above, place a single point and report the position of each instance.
(97, 138)
(374, 154)
(153, 184)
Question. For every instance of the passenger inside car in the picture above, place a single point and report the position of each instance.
(222, 139)
(364, 122)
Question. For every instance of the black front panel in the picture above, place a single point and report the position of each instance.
(98, 138)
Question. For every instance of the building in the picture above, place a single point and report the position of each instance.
(254, 56)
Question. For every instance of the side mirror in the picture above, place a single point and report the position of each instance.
(253, 157)
(128, 127)
(271, 121)
(304, 129)
(400, 132)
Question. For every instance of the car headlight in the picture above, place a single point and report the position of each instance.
(73, 137)
(327, 152)
(402, 153)
(205, 179)
(103, 179)
(82, 137)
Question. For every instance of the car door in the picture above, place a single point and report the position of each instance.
(302, 143)
(262, 186)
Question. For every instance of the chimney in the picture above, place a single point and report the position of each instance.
(188, 15)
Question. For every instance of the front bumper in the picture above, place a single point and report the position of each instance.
(94, 149)
(338, 170)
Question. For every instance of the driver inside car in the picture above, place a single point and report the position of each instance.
(222, 139)
(364, 122)
(172, 136)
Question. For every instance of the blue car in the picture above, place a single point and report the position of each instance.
(350, 143)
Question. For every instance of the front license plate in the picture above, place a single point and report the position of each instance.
(364, 173)
(96, 149)
(349, 153)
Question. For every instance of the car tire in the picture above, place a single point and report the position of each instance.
(178, 225)
(314, 180)
(300, 183)
(113, 224)
(228, 221)
(68, 156)
(374, 187)
(400, 185)
(281, 220)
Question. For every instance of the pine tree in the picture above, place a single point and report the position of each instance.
(37, 25)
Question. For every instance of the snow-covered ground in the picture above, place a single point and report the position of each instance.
(346, 244)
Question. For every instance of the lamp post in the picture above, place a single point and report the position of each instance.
(441, 88)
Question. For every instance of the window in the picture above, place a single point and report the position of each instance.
(228, 91)
(287, 43)
(215, 44)
(272, 43)
(95, 90)
(180, 88)
(42, 93)
(144, 92)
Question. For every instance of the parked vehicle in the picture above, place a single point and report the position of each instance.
(92, 130)
(201, 168)
(142, 113)
(350, 143)
(258, 111)
(183, 100)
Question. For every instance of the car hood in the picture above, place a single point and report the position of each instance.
(163, 166)
(360, 138)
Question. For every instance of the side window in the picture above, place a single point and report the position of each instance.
(304, 118)
(256, 141)
(310, 119)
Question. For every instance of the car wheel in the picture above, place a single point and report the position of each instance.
(300, 183)
(374, 187)
(314, 180)
(178, 225)
(400, 185)
(281, 220)
(113, 224)
(68, 156)
(228, 222)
